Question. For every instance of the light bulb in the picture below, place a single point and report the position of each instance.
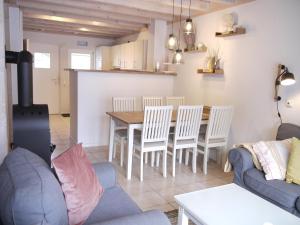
(172, 42)
(188, 28)
(178, 57)
(287, 82)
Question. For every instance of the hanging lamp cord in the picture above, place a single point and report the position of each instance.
(190, 9)
(173, 18)
(180, 24)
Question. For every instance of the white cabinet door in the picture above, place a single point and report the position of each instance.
(116, 56)
(139, 61)
(103, 58)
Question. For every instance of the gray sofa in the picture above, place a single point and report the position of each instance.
(30, 194)
(286, 196)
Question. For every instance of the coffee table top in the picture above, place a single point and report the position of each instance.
(232, 205)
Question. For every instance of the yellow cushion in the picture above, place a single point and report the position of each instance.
(293, 170)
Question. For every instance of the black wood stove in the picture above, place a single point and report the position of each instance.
(30, 122)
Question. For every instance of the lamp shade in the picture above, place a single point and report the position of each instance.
(188, 26)
(177, 57)
(287, 78)
(172, 42)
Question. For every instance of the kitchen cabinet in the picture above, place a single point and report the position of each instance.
(103, 58)
(130, 56)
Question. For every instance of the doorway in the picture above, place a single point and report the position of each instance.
(46, 76)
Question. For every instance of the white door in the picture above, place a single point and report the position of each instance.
(46, 76)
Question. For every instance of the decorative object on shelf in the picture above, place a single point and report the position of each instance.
(228, 22)
(157, 66)
(178, 56)
(236, 31)
(284, 78)
(189, 41)
(199, 48)
(172, 40)
(204, 71)
(212, 61)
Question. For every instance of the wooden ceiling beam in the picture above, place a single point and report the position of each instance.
(82, 12)
(85, 20)
(68, 33)
(110, 8)
(61, 23)
(161, 6)
(68, 30)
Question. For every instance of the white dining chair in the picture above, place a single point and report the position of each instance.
(122, 104)
(186, 133)
(151, 101)
(217, 132)
(175, 101)
(155, 133)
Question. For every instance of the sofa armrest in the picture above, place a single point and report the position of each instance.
(241, 161)
(147, 218)
(106, 173)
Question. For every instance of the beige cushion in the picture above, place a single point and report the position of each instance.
(293, 170)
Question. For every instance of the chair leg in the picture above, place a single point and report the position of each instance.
(122, 153)
(205, 159)
(180, 156)
(152, 158)
(157, 159)
(194, 164)
(142, 166)
(173, 162)
(165, 153)
(146, 158)
(187, 155)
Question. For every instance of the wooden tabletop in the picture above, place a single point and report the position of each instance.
(138, 117)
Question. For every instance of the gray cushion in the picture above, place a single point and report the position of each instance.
(279, 191)
(298, 204)
(114, 203)
(29, 192)
(288, 130)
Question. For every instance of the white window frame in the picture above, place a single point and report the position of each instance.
(34, 60)
(82, 51)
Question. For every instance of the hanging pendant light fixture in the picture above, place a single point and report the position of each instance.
(172, 40)
(189, 27)
(178, 56)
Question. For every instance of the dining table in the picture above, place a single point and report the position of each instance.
(132, 121)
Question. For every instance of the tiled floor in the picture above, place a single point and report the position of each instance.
(155, 192)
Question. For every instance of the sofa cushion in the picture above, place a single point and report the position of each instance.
(79, 183)
(114, 203)
(29, 192)
(279, 191)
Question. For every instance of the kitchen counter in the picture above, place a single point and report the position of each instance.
(127, 72)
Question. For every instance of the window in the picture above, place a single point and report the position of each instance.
(80, 61)
(41, 60)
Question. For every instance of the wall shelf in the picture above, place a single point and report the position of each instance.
(196, 50)
(238, 31)
(219, 71)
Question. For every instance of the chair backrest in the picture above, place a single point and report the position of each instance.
(157, 120)
(152, 101)
(123, 104)
(188, 122)
(220, 118)
(175, 101)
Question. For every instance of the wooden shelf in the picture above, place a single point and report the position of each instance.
(220, 71)
(196, 50)
(239, 31)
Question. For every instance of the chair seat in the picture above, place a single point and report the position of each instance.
(182, 143)
(122, 133)
(216, 141)
(279, 191)
(137, 144)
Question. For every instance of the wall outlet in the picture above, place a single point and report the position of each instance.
(289, 104)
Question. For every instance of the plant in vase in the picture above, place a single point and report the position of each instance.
(212, 61)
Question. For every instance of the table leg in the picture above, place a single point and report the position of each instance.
(130, 151)
(111, 139)
(182, 217)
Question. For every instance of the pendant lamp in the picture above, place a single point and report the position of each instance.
(172, 40)
(189, 26)
(178, 56)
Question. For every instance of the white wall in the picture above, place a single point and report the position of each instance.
(94, 98)
(65, 43)
(250, 64)
(3, 91)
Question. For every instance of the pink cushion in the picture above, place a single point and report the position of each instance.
(79, 183)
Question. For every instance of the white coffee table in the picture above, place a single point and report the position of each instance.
(230, 205)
